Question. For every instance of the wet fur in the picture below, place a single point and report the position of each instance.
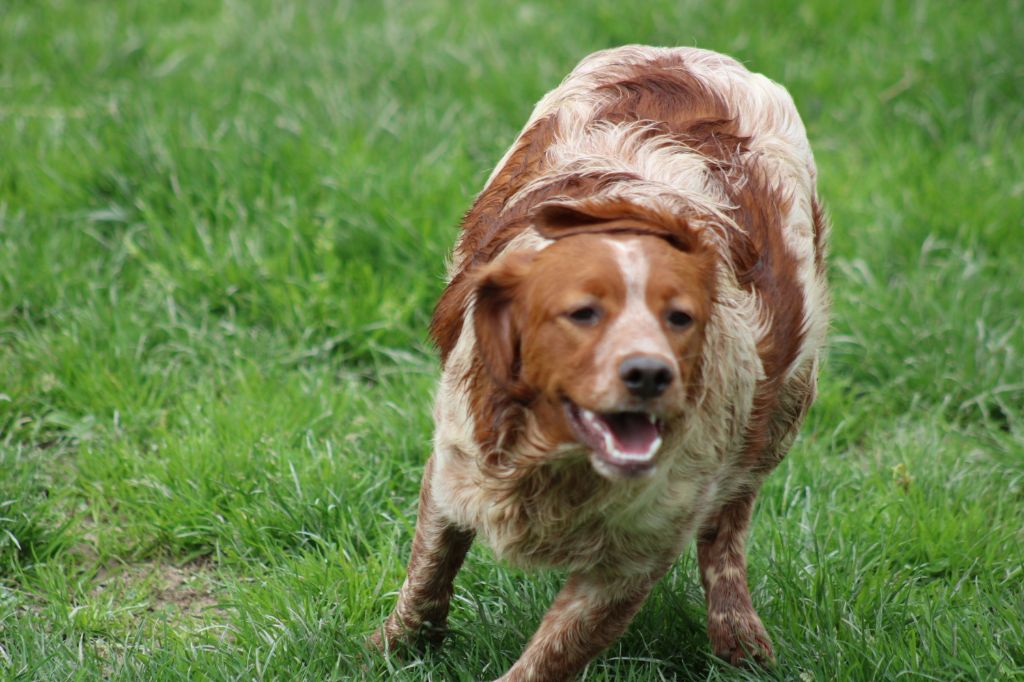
(681, 148)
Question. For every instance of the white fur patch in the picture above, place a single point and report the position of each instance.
(636, 330)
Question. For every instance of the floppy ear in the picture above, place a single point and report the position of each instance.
(497, 332)
(563, 218)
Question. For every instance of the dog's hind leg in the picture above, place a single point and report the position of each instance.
(438, 549)
(734, 627)
(587, 615)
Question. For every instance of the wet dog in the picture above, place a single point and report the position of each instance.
(630, 340)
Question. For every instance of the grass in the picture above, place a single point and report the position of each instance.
(222, 229)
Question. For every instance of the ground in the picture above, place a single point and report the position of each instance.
(222, 229)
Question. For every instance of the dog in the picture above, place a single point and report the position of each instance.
(630, 339)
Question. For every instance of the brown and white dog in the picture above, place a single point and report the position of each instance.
(630, 339)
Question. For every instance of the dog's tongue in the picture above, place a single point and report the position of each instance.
(634, 432)
(625, 439)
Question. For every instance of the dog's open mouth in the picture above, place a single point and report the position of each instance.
(626, 442)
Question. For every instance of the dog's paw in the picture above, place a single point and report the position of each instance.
(391, 637)
(395, 637)
(739, 638)
(378, 641)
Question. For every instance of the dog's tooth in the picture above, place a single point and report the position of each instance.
(609, 445)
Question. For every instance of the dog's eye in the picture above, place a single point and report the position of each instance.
(677, 319)
(584, 315)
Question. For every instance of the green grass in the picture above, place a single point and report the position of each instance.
(222, 230)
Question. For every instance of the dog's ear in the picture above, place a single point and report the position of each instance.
(559, 218)
(498, 333)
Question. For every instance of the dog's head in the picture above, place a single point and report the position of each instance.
(607, 323)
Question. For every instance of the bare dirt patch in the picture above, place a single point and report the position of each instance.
(185, 595)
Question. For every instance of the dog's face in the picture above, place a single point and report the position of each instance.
(610, 327)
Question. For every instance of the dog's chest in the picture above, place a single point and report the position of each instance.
(574, 520)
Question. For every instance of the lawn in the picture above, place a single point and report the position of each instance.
(223, 227)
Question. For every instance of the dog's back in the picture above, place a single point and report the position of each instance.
(695, 125)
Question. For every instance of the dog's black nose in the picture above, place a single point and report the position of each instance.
(645, 376)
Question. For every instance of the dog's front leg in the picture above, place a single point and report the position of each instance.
(587, 615)
(438, 549)
(734, 628)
